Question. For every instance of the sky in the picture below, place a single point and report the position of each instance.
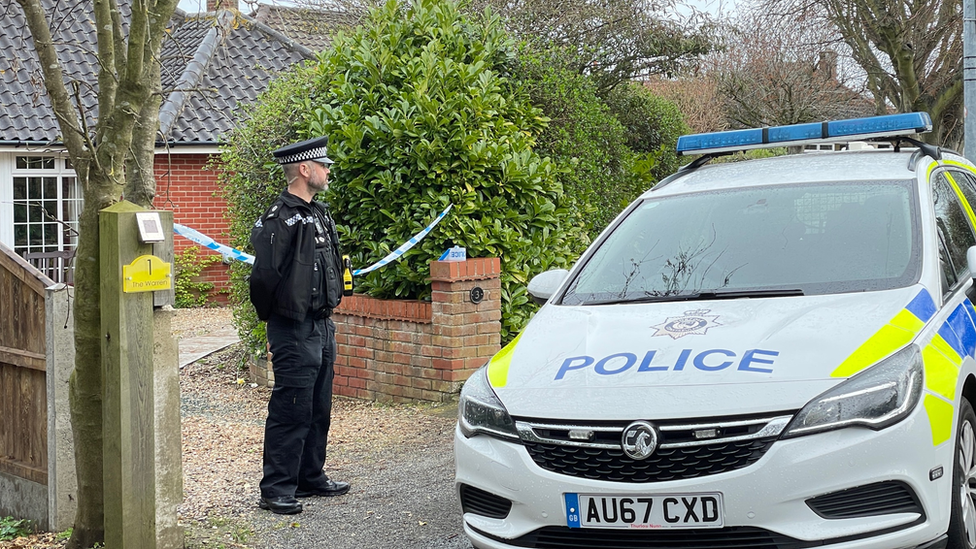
(714, 7)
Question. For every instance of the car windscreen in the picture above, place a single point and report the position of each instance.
(803, 239)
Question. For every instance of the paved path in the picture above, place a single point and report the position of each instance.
(193, 349)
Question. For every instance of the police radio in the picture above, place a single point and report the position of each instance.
(346, 276)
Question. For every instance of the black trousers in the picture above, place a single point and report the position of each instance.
(300, 409)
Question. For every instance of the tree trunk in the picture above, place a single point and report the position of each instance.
(86, 379)
(117, 154)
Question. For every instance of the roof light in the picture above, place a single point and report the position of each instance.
(800, 134)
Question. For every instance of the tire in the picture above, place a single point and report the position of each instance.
(962, 521)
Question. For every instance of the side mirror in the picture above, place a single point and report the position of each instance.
(971, 260)
(543, 285)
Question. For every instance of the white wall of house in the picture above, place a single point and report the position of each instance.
(6, 200)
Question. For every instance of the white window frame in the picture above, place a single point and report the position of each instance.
(60, 172)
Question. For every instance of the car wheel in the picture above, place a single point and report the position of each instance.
(962, 522)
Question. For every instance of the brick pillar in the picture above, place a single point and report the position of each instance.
(466, 328)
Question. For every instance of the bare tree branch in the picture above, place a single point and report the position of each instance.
(910, 52)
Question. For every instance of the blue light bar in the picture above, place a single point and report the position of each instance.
(854, 129)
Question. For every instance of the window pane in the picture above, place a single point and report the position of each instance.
(818, 238)
(51, 188)
(71, 237)
(35, 235)
(72, 210)
(51, 233)
(35, 162)
(949, 278)
(967, 183)
(69, 189)
(952, 224)
(35, 188)
(20, 236)
(45, 207)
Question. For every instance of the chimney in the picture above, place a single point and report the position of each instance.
(827, 64)
(214, 5)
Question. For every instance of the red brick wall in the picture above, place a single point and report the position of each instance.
(397, 350)
(393, 350)
(187, 186)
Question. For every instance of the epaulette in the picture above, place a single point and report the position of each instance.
(275, 209)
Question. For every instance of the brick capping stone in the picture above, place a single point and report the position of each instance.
(407, 350)
(471, 269)
(386, 309)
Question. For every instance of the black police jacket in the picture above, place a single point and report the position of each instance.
(293, 274)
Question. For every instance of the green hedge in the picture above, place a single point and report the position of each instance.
(653, 125)
(584, 140)
(420, 113)
(607, 150)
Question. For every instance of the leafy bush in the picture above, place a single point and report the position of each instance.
(189, 291)
(584, 140)
(653, 125)
(420, 115)
(607, 150)
(11, 528)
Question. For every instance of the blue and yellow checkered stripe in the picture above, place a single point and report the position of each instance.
(942, 356)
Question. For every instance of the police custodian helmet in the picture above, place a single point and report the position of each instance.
(311, 149)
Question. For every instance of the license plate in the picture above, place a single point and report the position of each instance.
(662, 511)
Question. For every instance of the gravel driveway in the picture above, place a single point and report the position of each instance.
(398, 458)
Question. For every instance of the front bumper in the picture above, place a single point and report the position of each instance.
(767, 498)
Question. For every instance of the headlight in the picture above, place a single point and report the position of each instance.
(876, 398)
(480, 411)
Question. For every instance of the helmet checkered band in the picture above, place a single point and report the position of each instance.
(318, 154)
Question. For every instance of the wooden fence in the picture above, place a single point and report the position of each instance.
(23, 392)
(37, 470)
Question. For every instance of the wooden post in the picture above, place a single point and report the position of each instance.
(128, 401)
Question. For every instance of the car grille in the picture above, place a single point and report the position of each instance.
(553, 537)
(880, 498)
(480, 502)
(686, 449)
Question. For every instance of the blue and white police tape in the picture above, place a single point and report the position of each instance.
(208, 242)
(234, 253)
(395, 254)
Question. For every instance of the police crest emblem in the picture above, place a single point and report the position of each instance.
(695, 322)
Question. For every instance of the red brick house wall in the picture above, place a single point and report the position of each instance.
(187, 185)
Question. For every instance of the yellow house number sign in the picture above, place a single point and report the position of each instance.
(147, 273)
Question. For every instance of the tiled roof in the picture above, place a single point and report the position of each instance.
(25, 110)
(212, 64)
(234, 59)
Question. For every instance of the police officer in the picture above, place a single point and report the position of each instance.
(295, 284)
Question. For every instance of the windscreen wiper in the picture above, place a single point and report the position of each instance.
(736, 294)
(702, 296)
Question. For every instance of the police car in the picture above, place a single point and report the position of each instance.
(775, 353)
